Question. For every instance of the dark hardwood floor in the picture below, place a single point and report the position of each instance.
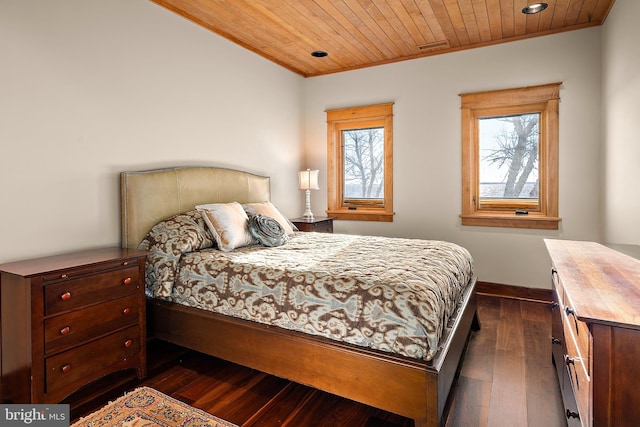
(507, 379)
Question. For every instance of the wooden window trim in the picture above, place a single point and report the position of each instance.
(544, 99)
(380, 115)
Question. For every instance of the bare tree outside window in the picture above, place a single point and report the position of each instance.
(360, 163)
(363, 163)
(509, 157)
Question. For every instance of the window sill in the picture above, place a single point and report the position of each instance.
(511, 220)
(361, 214)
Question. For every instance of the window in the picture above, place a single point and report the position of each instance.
(510, 157)
(360, 163)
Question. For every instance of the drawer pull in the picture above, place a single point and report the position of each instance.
(571, 414)
(126, 311)
(572, 312)
(64, 276)
(555, 305)
(128, 343)
(555, 340)
(570, 361)
(127, 281)
(65, 330)
(66, 368)
(66, 296)
(125, 263)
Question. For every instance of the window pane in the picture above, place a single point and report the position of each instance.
(509, 157)
(363, 151)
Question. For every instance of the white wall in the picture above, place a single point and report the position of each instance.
(621, 129)
(427, 144)
(90, 88)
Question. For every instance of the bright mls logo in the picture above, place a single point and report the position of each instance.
(34, 415)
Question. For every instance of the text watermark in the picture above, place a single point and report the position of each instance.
(54, 415)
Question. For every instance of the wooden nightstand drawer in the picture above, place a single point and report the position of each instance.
(91, 361)
(318, 225)
(76, 327)
(71, 293)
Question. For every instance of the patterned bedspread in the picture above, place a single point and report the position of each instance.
(389, 294)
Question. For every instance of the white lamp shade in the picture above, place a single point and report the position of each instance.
(308, 180)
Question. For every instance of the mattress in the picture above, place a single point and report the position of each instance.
(389, 294)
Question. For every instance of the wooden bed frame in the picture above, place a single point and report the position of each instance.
(408, 387)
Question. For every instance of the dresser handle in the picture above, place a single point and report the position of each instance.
(570, 361)
(555, 305)
(66, 296)
(65, 330)
(571, 414)
(128, 343)
(572, 312)
(127, 281)
(125, 263)
(64, 276)
(66, 368)
(555, 340)
(126, 311)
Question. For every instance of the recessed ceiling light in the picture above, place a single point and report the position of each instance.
(319, 53)
(534, 8)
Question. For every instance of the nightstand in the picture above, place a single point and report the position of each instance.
(70, 319)
(317, 224)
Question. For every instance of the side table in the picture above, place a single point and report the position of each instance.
(317, 224)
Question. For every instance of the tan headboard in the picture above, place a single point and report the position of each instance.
(147, 197)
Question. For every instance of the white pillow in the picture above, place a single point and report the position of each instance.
(229, 224)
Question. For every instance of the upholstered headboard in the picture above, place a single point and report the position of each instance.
(147, 197)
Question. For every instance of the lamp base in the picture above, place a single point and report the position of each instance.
(307, 215)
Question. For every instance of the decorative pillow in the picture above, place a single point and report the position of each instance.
(168, 240)
(267, 230)
(228, 223)
(268, 209)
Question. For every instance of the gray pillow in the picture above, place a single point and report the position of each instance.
(267, 230)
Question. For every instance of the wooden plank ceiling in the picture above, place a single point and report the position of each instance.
(363, 33)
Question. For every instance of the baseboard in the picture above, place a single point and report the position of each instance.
(514, 292)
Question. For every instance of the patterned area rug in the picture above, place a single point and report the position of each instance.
(147, 407)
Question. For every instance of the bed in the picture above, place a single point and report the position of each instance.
(413, 378)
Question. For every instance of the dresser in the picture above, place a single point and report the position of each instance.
(596, 332)
(318, 224)
(70, 319)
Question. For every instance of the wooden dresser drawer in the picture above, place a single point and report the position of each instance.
(558, 348)
(580, 333)
(90, 361)
(69, 293)
(577, 365)
(76, 327)
(577, 345)
(556, 283)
